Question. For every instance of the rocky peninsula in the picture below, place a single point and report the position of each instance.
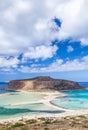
(43, 83)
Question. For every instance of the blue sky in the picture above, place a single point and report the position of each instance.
(48, 37)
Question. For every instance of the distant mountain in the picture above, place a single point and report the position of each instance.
(43, 83)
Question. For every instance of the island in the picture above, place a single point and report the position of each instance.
(39, 102)
(43, 83)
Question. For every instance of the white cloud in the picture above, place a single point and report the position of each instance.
(76, 64)
(70, 49)
(42, 52)
(24, 69)
(73, 14)
(9, 62)
(16, 8)
(59, 65)
(26, 27)
(84, 41)
(28, 23)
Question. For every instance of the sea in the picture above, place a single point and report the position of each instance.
(74, 99)
(3, 86)
(14, 104)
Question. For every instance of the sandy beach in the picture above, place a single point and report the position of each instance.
(49, 96)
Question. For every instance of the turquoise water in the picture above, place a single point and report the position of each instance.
(17, 97)
(13, 104)
(28, 109)
(77, 99)
(19, 104)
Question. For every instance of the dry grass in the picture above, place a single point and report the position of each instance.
(66, 123)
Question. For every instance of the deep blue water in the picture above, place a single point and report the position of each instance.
(84, 84)
(3, 86)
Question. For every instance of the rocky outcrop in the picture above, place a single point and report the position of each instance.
(43, 83)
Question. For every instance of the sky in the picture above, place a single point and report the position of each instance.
(44, 38)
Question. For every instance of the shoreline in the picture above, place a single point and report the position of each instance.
(48, 97)
(70, 113)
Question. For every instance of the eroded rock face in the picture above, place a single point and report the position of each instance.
(43, 83)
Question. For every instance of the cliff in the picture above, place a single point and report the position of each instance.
(43, 83)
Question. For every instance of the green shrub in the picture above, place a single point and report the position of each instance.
(31, 121)
(17, 125)
(23, 129)
(47, 122)
(42, 119)
(85, 126)
(46, 128)
(82, 116)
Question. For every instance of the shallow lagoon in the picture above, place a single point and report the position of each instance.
(76, 99)
(28, 109)
(19, 97)
(14, 104)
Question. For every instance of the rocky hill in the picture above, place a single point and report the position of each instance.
(43, 83)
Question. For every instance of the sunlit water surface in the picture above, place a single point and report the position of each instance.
(76, 99)
(13, 104)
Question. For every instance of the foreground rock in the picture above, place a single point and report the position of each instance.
(43, 83)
